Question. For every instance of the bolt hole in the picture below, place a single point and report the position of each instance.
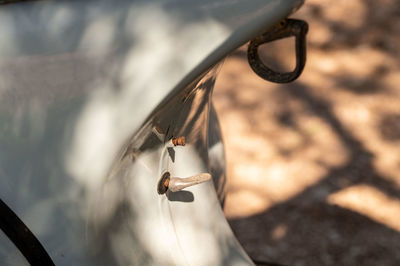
(162, 186)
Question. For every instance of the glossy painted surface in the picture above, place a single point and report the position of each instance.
(80, 81)
(8, 253)
(180, 228)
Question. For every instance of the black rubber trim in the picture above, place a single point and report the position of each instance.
(6, 2)
(22, 237)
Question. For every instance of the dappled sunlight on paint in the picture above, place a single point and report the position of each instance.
(69, 108)
(106, 120)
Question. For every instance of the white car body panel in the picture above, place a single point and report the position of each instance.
(80, 81)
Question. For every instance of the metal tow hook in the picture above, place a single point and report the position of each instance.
(175, 184)
(285, 28)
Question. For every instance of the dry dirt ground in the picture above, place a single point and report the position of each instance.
(314, 166)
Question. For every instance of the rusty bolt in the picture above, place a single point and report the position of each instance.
(181, 141)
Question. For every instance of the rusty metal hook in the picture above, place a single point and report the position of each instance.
(285, 28)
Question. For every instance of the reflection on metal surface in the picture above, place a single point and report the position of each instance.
(171, 230)
(285, 28)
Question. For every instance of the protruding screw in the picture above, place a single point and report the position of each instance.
(176, 184)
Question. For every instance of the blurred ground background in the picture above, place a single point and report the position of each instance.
(314, 166)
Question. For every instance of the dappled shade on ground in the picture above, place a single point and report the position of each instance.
(314, 166)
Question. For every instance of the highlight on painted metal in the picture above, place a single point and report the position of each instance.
(283, 29)
(180, 141)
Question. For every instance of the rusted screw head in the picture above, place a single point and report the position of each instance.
(181, 141)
